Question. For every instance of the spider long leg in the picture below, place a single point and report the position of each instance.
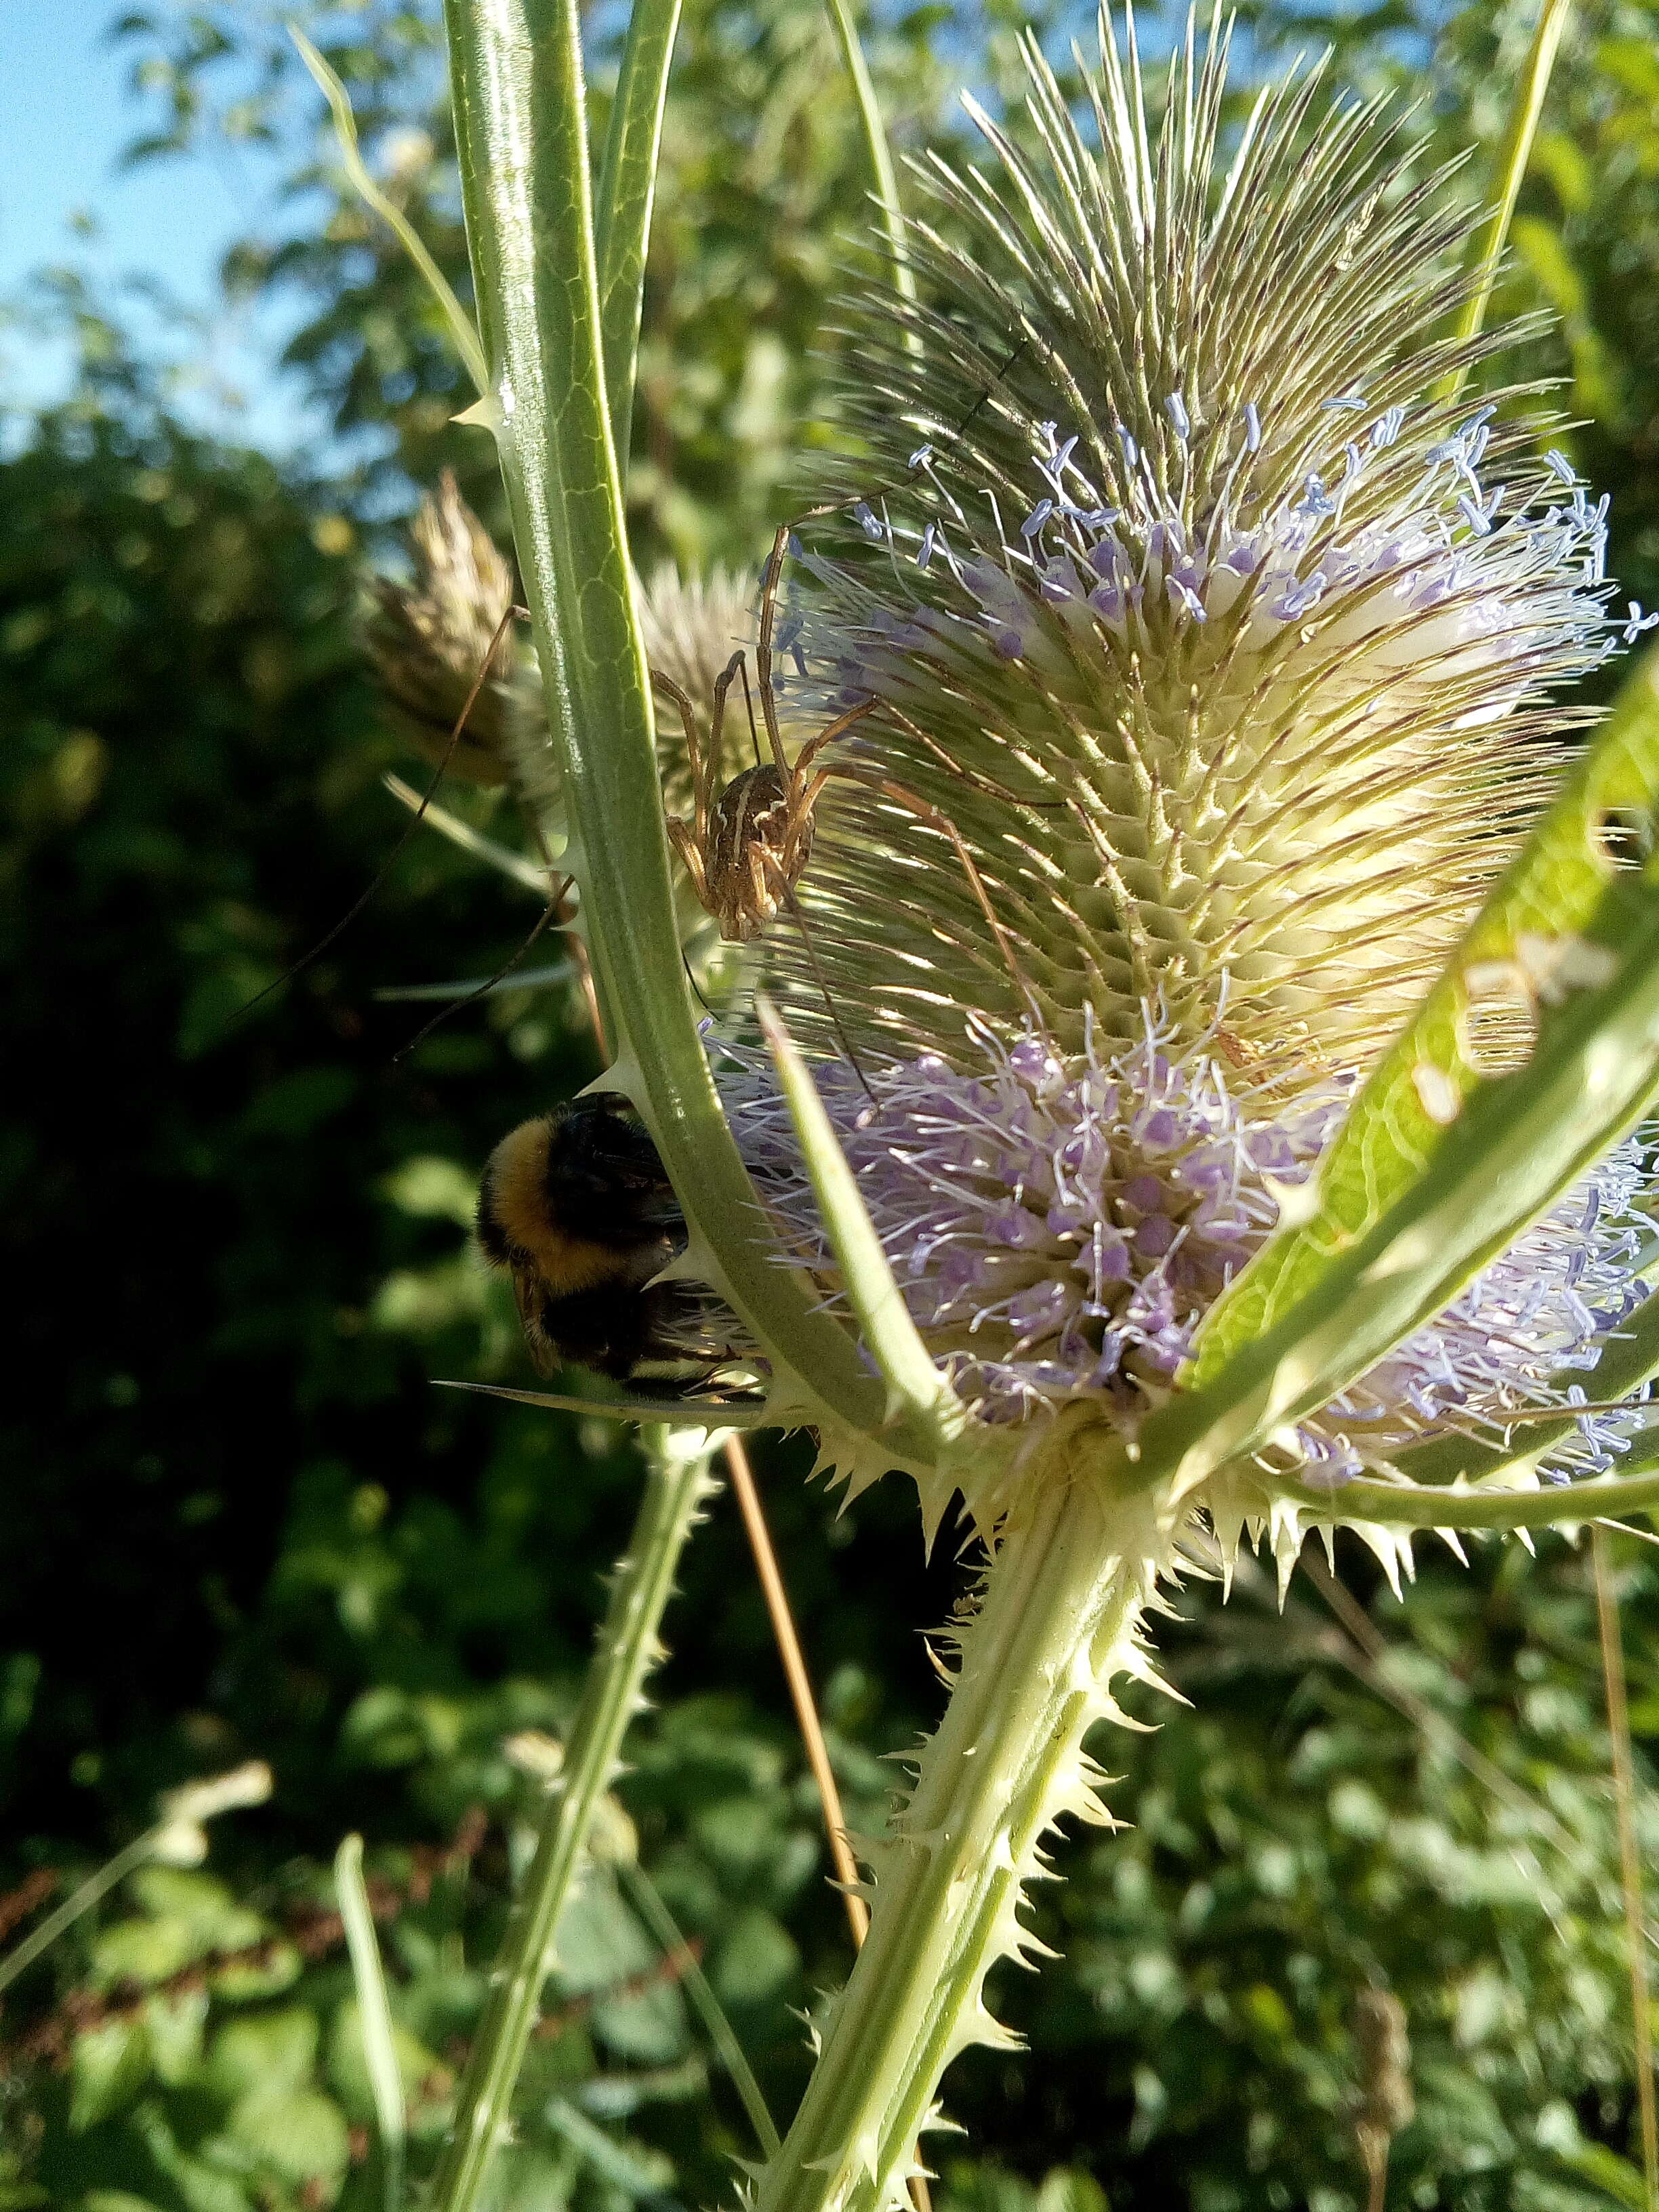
(972, 777)
(749, 707)
(933, 819)
(513, 613)
(554, 912)
(688, 714)
(841, 723)
(738, 665)
(691, 857)
(788, 891)
(763, 650)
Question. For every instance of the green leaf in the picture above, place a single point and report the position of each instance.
(1066, 2189)
(111, 2064)
(515, 67)
(1439, 1166)
(273, 2053)
(1623, 2182)
(627, 2167)
(621, 211)
(298, 2133)
(185, 1916)
(601, 1949)
(757, 1959)
(175, 2025)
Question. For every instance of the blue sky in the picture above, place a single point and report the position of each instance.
(68, 115)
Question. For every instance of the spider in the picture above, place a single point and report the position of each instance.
(748, 844)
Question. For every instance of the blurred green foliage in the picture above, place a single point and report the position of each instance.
(242, 1524)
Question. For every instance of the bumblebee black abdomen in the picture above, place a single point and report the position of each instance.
(615, 1330)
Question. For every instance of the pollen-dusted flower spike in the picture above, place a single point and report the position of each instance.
(429, 640)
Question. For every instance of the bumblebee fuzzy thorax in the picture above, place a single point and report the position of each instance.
(518, 1217)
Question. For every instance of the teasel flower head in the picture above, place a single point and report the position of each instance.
(429, 640)
(1178, 577)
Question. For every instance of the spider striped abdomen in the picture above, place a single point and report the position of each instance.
(758, 847)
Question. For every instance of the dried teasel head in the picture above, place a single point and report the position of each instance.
(429, 640)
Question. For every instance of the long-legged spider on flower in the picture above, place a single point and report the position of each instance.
(748, 842)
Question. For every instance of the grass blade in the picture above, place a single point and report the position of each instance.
(643, 1896)
(881, 158)
(473, 842)
(345, 131)
(1513, 157)
(374, 2015)
(1630, 1856)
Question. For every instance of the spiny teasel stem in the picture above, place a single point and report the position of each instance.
(1073, 1571)
(1630, 1855)
(677, 1480)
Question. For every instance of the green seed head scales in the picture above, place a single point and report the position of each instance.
(429, 639)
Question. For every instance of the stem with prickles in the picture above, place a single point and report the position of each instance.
(1074, 1567)
(677, 1480)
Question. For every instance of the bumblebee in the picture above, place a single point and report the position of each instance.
(575, 1207)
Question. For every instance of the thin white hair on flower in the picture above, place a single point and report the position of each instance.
(1242, 631)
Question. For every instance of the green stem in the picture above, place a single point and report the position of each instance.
(1512, 160)
(676, 1481)
(1424, 1506)
(515, 69)
(1064, 1593)
(881, 158)
(892, 1338)
(41, 1939)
